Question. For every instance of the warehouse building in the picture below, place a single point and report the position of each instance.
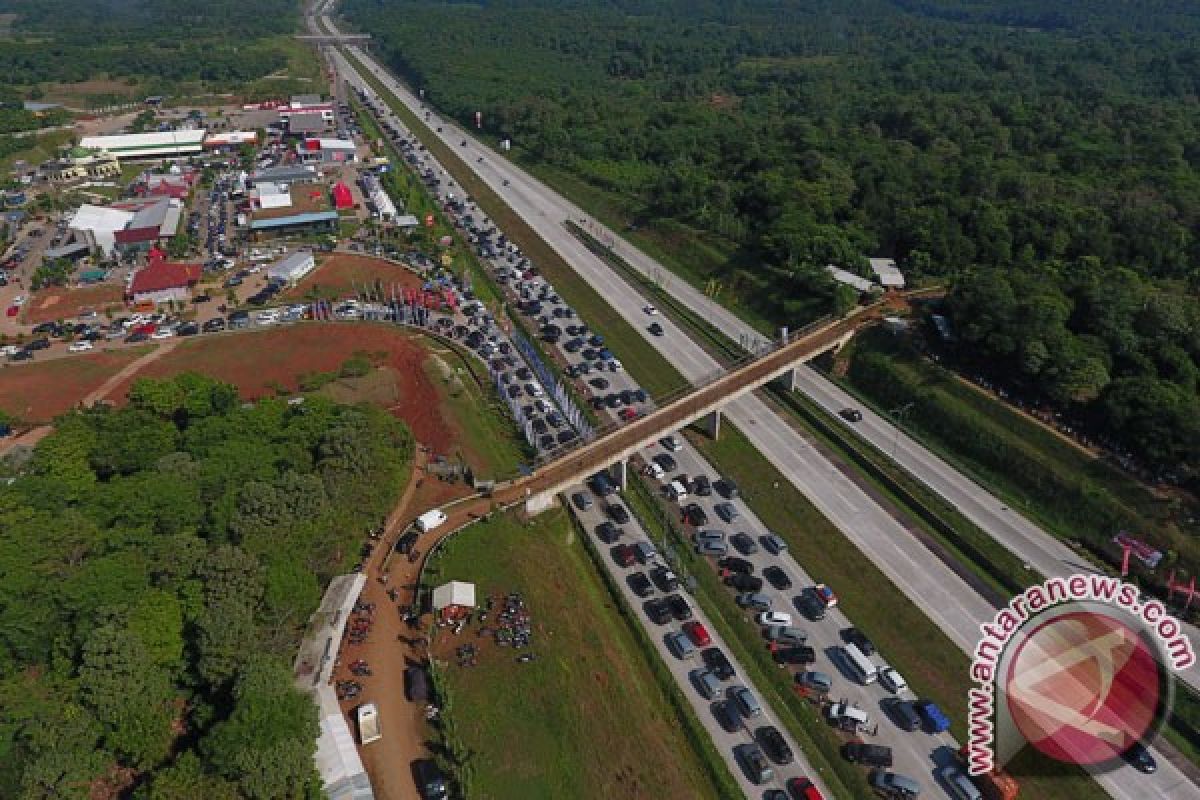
(161, 281)
(326, 151)
(293, 267)
(148, 145)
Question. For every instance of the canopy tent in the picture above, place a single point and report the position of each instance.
(454, 599)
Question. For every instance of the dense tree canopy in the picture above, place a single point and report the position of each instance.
(170, 552)
(1042, 156)
(217, 41)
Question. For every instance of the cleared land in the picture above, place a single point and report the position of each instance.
(41, 391)
(59, 303)
(586, 718)
(342, 275)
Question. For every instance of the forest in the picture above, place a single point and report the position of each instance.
(157, 567)
(1040, 151)
(219, 42)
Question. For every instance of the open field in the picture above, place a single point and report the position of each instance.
(585, 719)
(934, 666)
(652, 371)
(340, 275)
(57, 303)
(40, 391)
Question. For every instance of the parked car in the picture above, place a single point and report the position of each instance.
(697, 633)
(802, 788)
(871, 755)
(818, 682)
(893, 784)
(891, 679)
(774, 744)
(582, 500)
(640, 584)
(774, 618)
(624, 555)
(856, 637)
(744, 544)
(754, 763)
(664, 579)
(658, 610)
(777, 577)
(727, 716)
(608, 532)
(735, 564)
(851, 414)
(679, 607)
(716, 660)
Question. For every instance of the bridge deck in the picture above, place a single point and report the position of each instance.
(604, 451)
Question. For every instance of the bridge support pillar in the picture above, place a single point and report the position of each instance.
(711, 424)
(620, 474)
(788, 379)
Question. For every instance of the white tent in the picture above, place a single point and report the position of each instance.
(97, 225)
(454, 593)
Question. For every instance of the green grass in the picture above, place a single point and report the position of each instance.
(1067, 492)
(494, 447)
(934, 666)
(588, 718)
(647, 365)
(37, 149)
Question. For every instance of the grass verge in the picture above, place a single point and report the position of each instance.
(590, 716)
(647, 365)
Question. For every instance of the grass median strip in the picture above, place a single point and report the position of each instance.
(647, 365)
(934, 666)
(590, 716)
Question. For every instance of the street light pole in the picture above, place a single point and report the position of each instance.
(898, 414)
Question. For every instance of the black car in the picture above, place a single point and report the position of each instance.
(405, 543)
(735, 564)
(213, 325)
(716, 660)
(744, 543)
(640, 584)
(187, 329)
(137, 336)
(777, 577)
(743, 583)
(599, 383)
(795, 654)
(851, 414)
(859, 639)
(546, 442)
(21, 355)
(1140, 759)
(727, 716)
(608, 533)
(664, 578)
(38, 344)
(679, 607)
(618, 513)
(658, 610)
(701, 486)
(774, 745)
(810, 605)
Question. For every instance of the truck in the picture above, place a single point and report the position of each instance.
(430, 520)
(368, 723)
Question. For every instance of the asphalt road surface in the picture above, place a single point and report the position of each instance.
(946, 599)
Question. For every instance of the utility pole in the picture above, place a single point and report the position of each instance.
(898, 414)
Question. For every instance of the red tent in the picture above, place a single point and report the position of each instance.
(341, 196)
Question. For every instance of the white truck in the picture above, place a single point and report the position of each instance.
(368, 723)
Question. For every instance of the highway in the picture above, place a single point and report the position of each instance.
(952, 604)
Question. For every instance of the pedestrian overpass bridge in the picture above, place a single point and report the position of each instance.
(613, 448)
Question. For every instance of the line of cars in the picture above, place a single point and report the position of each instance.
(759, 748)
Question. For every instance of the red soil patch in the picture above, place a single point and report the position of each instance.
(59, 303)
(340, 274)
(260, 362)
(41, 391)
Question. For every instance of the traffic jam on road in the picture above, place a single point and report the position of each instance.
(902, 739)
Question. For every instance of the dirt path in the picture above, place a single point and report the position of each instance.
(392, 644)
(31, 437)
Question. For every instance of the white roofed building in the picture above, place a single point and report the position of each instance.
(849, 279)
(887, 273)
(292, 267)
(97, 226)
(148, 145)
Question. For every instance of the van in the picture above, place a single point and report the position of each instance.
(430, 520)
(754, 600)
(959, 784)
(680, 645)
(858, 665)
(706, 683)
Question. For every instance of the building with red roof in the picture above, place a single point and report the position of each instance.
(162, 281)
(342, 197)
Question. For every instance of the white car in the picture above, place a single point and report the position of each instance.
(651, 310)
(19, 300)
(893, 680)
(670, 444)
(267, 317)
(80, 347)
(9, 350)
(162, 333)
(768, 618)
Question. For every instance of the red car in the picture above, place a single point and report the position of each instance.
(803, 789)
(12, 311)
(697, 633)
(629, 414)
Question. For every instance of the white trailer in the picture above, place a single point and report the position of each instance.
(368, 723)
